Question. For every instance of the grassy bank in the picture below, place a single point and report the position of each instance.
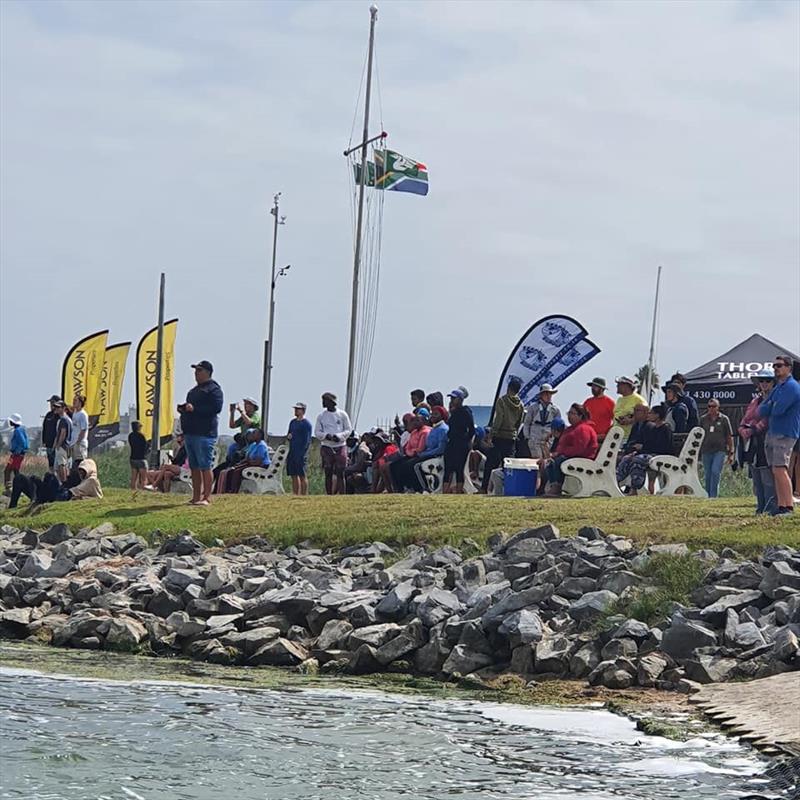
(430, 519)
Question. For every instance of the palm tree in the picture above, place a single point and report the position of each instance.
(648, 381)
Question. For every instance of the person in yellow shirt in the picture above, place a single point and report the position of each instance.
(628, 399)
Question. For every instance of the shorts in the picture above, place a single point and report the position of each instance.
(62, 457)
(15, 461)
(138, 463)
(80, 451)
(334, 459)
(779, 449)
(51, 457)
(296, 464)
(200, 451)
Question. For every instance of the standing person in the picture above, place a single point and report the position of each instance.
(299, 436)
(537, 428)
(459, 442)
(782, 410)
(717, 444)
(600, 407)
(418, 399)
(677, 410)
(49, 425)
(138, 457)
(752, 435)
(199, 420)
(79, 440)
(434, 399)
(628, 399)
(332, 428)
(61, 459)
(688, 400)
(249, 416)
(508, 415)
(18, 446)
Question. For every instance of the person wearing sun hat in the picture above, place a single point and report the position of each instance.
(18, 446)
(538, 420)
(249, 416)
(628, 399)
(600, 407)
(299, 436)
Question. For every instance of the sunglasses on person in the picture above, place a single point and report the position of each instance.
(778, 365)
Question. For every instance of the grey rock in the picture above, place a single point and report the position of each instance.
(438, 605)
(716, 612)
(551, 654)
(515, 602)
(583, 568)
(219, 576)
(619, 581)
(748, 576)
(410, 639)
(650, 668)
(163, 603)
(462, 660)
(474, 640)
(786, 646)
(709, 668)
(334, 635)
(364, 661)
(746, 636)
(584, 660)
(707, 594)
(373, 635)
(544, 533)
(683, 637)
(632, 629)
(616, 648)
(573, 588)
(522, 660)
(183, 625)
(668, 549)
(592, 605)
(618, 673)
(395, 604)
(56, 534)
(779, 574)
(279, 652)
(16, 616)
(430, 658)
(525, 550)
(178, 580)
(124, 633)
(250, 642)
(36, 564)
(184, 544)
(522, 627)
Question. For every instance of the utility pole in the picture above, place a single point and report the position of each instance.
(350, 399)
(267, 374)
(155, 441)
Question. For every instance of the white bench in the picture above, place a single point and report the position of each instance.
(266, 480)
(587, 477)
(680, 472)
(430, 474)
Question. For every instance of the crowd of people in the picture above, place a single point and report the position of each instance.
(386, 460)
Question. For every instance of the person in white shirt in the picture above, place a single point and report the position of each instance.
(539, 416)
(79, 440)
(332, 429)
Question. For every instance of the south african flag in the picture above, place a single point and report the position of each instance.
(393, 172)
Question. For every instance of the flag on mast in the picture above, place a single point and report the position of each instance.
(394, 172)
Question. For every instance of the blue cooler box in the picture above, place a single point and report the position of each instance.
(520, 477)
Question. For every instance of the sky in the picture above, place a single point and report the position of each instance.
(572, 147)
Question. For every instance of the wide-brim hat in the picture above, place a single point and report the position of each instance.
(625, 379)
(300, 405)
(546, 387)
(251, 400)
(763, 375)
(15, 419)
(601, 382)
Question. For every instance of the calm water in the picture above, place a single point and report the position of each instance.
(79, 738)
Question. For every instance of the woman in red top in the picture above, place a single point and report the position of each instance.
(579, 440)
(383, 451)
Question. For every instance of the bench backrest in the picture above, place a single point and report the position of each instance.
(607, 454)
(690, 452)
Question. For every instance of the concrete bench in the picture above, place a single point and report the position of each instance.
(680, 472)
(587, 477)
(430, 474)
(266, 480)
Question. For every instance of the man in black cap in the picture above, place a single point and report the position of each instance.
(49, 426)
(199, 427)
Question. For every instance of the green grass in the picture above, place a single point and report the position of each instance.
(429, 519)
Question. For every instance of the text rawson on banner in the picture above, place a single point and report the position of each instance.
(146, 380)
(549, 352)
(111, 380)
(83, 368)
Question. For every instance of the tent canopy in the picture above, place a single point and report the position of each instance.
(728, 377)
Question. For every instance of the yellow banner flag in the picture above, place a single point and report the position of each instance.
(82, 370)
(111, 381)
(146, 380)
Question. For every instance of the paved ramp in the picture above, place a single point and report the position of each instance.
(763, 712)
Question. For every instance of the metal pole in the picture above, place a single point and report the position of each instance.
(267, 378)
(349, 403)
(155, 442)
(651, 357)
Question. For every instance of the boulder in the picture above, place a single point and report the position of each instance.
(124, 633)
(184, 544)
(373, 635)
(616, 648)
(364, 660)
(437, 606)
(716, 612)
(747, 635)
(430, 658)
(36, 564)
(472, 637)
(650, 668)
(516, 601)
(395, 604)
(615, 674)
(56, 534)
(709, 668)
(551, 654)
(219, 576)
(592, 605)
(632, 629)
(573, 588)
(525, 550)
(618, 581)
(410, 639)
(522, 627)
(462, 660)
(179, 579)
(786, 646)
(279, 652)
(584, 660)
(162, 603)
(583, 568)
(522, 660)
(779, 575)
(334, 635)
(683, 637)
(250, 642)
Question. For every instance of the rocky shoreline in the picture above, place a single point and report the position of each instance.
(538, 605)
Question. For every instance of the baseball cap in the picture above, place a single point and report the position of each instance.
(600, 382)
(423, 412)
(54, 398)
(206, 365)
(456, 393)
(300, 405)
(626, 379)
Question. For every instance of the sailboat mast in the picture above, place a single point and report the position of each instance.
(350, 400)
(650, 358)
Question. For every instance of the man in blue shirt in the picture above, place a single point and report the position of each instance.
(782, 409)
(18, 447)
(299, 436)
(257, 451)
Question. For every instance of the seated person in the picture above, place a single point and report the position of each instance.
(359, 462)
(236, 452)
(579, 440)
(384, 450)
(161, 479)
(418, 431)
(477, 456)
(656, 440)
(435, 444)
(640, 422)
(82, 483)
(256, 455)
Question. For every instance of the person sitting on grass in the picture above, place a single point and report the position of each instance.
(138, 456)
(161, 478)
(82, 484)
(655, 439)
(579, 440)
(18, 446)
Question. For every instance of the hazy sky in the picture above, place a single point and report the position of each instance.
(572, 147)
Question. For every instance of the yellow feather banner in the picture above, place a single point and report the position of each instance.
(146, 381)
